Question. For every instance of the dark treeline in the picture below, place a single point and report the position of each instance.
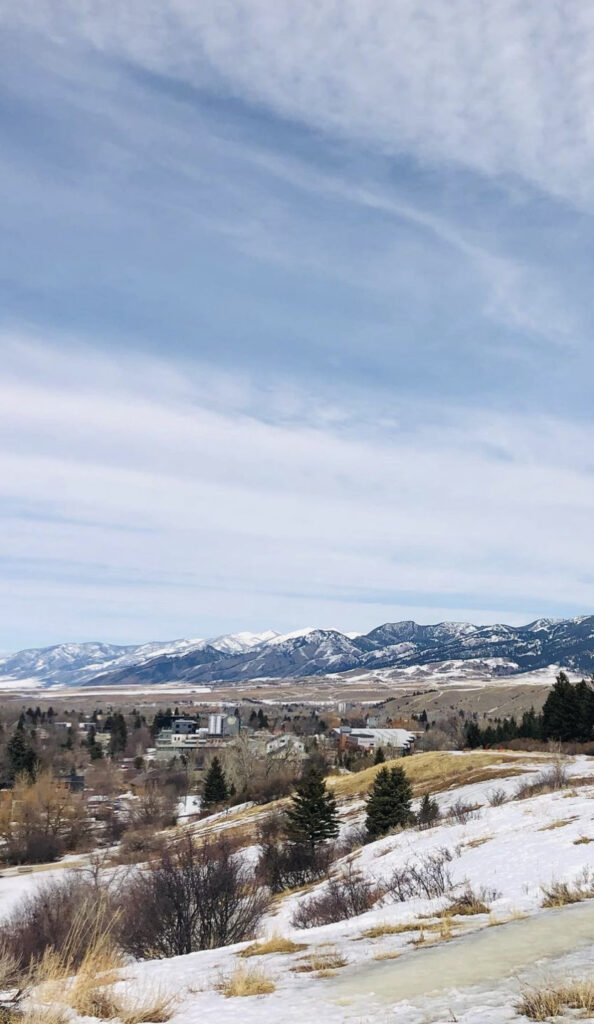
(567, 716)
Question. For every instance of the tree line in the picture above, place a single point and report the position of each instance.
(567, 716)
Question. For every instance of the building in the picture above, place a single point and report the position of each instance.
(400, 741)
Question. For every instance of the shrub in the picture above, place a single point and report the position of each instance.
(426, 878)
(549, 781)
(60, 917)
(190, 897)
(344, 896)
(461, 812)
(496, 797)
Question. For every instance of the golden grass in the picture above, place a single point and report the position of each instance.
(275, 944)
(151, 1008)
(582, 840)
(439, 932)
(387, 955)
(40, 1015)
(559, 894)
(390, 929)
(514, 915)
(466, 905)
(436, 771)
(541, 1004)
(246, 981)
(472, 844)
(321, 962)
(560, 823)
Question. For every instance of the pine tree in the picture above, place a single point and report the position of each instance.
(313, 818)
(388, 803)
(428, 812)
(215, 790)
(22, 758)
(379, 756)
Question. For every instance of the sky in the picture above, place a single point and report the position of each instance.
(296, 315)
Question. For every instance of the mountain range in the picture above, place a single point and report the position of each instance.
(240, 657)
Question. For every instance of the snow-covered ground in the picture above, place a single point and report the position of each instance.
(507, 852)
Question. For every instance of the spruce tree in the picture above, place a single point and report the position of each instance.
(428, 812)
(313, 818)
(379, 756)
(388, 803)
(22, 759)
(216, 790)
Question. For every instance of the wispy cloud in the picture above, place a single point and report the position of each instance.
(165, 499)
(503, 88)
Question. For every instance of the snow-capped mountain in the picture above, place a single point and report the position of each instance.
(242, 656)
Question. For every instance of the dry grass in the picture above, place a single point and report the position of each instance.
(436, 771)
(439, 932)
(275, 944)
(387, 955)
(152, 1008)
(560, 823)
(465, 905)
(472, 844)
(321, 963)
(541, 1004)
(559, 894)
(390, 929)
(246, 981)
(581, 840)
(40, 1015)
(514, 915)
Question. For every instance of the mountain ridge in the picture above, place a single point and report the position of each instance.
(238, 657)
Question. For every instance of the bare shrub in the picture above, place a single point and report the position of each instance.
(460, 812)
(344, 896)
(426, 878)
(61, 917)
(138, 844)
(549, 781)
(496, 797)
(190, 897)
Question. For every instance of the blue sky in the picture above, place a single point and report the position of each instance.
(296, 315)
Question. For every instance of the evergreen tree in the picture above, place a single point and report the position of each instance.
(561, 711)
(216, 790)
(22, 759)
(313, 818)
(379, 756)
(388, 803)
(428, 812)
(472, 735)
(116, 725)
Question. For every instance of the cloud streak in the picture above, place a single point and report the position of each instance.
(189, 508)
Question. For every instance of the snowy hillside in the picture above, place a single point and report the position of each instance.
(422, 959)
